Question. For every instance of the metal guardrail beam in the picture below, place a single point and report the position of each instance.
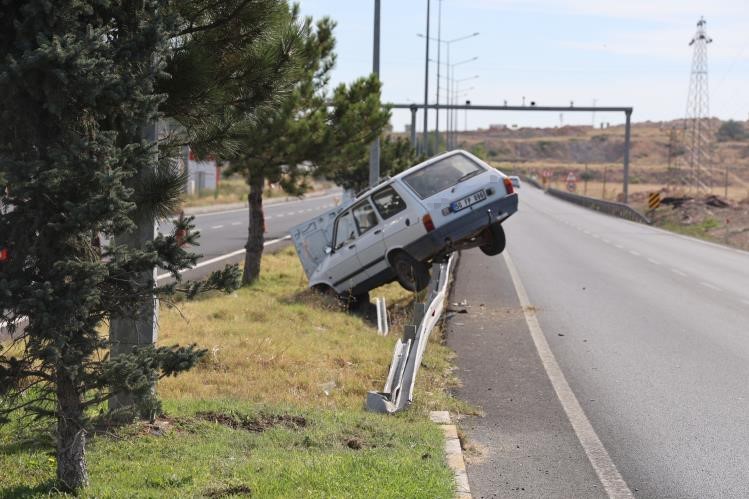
(399, 387)
(620, 210)
(484, 107)
(627, 110)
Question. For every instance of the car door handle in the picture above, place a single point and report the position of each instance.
(352, 246)
(378, 231)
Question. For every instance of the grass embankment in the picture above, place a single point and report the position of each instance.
(274, 410)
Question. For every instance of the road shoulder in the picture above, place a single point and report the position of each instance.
(524, 444)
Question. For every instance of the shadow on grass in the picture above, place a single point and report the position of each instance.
(23, 491)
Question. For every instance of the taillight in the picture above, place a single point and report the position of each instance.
(428, 224)
(508, 185)
(4, 256)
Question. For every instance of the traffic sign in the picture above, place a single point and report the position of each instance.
(654, 200)
(571, 182)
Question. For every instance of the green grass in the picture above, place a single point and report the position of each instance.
(700, 230)
(275, 349)
(337, 454)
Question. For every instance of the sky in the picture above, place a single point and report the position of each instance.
(616, 53)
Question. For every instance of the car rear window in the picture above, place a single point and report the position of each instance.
(441, 175)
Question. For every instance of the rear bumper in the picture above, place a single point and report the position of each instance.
(468, 225)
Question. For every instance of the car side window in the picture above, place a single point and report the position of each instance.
(388, 202)
(365, 216)
(345, 230)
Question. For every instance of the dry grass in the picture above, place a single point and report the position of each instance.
(278, 343)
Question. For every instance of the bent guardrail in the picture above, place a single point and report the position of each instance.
(399, 387)
(620, 210)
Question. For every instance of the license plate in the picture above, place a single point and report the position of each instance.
(468, 201)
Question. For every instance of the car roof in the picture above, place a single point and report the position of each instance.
(411, 170)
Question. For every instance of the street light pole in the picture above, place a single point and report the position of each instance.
(425, 145)
(374, 151)
(450, 71)
(439, 63)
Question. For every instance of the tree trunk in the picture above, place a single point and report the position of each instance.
(256, 230)
(72, 473)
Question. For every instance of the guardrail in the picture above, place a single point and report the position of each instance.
(399, 387)
(530, 180)
(620, 210)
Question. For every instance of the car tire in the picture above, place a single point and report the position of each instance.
(496, 240)
(412, 274)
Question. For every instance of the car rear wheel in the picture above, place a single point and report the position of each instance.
(412, 274)
(495, 240)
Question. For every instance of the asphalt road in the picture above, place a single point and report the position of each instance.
(651, 331)
(225, 232)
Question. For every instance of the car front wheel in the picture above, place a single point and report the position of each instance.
(495, 240)
(412, 274)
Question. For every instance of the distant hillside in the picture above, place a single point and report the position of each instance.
(584, 144)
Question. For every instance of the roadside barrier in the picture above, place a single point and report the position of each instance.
(530, 180)
(620, 210)
(399, 387)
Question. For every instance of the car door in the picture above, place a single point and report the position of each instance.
(370, 245)
(401, 225)
(343, 267)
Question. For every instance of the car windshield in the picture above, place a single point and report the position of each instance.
(441, 175)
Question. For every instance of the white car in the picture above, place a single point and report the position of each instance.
(395, 229)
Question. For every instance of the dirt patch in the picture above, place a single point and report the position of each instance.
(237, 490)
(258, 424)
(354, 443)
(709, 217)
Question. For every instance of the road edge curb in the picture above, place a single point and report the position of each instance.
(453, 453)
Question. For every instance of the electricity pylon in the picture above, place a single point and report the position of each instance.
(698, 134)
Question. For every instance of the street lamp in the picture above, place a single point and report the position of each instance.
(448, 43)
(455, 95)
(451, 81)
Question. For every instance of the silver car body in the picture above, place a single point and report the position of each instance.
(431, 209)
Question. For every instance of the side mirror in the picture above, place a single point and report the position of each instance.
(328, 250)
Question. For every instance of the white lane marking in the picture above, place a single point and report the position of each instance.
(217, 227)
(236, 223)
(633, 252)
(279, 215)
(745, 302)
(679, 272)
(599, 458)
(619, 246)
(269, 217)
(269, 206)
(607, 241)
(300, 211)
(223, 257)
(596, 236)
(711, 286)
(289, 213)
(654, 262)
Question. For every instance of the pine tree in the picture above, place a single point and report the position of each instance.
(352, 172)
(308, 128)
(230, 61)
(76, 91)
